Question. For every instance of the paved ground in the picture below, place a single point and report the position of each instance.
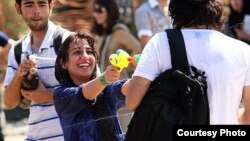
(15, 131)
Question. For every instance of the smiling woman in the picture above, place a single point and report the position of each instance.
(75, 47)
(87, 103)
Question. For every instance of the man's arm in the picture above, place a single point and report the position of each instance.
(144, 40)
(12, 92)
(137, 89)
(143, 25)
(244, 114)
(39, 95)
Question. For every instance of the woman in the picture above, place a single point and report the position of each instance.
(86, 103)
(112, 34)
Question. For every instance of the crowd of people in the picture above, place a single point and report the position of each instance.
(80, 94)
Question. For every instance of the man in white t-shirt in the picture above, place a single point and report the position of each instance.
(225, 60)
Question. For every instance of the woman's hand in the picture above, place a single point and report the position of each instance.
(112, 74)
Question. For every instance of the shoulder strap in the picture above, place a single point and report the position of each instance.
(177, 50)
(18, 51)
(57, 38)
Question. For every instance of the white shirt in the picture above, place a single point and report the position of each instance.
(43, 120)
(151, 19)
(225, 60)
(246, 24)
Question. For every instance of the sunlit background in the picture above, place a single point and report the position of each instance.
(75, 15)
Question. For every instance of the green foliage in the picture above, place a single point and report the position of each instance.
(10, 22)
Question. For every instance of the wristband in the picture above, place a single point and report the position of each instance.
(103, 80)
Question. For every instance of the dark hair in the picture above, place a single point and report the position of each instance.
(20, 1)
(61, 74)
(189, 13)
(246, 5)
(112, 17)
(235, 20)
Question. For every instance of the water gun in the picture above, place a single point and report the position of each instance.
(134, 59)
(122, 59)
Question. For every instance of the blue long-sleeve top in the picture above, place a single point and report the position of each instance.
(84, 120)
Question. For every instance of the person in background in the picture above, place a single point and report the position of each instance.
(112, 35)
(43, 122)
(150, 18)
(5, 40)
(246, 11)
(87, 103)
(5, 45)
(207, 49)
(237, 20)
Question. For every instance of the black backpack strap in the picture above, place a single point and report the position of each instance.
(177, 50)
(57, 38)
(18, 51)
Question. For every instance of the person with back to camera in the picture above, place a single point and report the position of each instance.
(200, 22)
(87, 103)
(43, 122)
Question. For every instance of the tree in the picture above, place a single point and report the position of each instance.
(10, 22)
(74, 15)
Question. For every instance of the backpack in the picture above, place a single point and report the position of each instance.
(178, 96)
(57, 40)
